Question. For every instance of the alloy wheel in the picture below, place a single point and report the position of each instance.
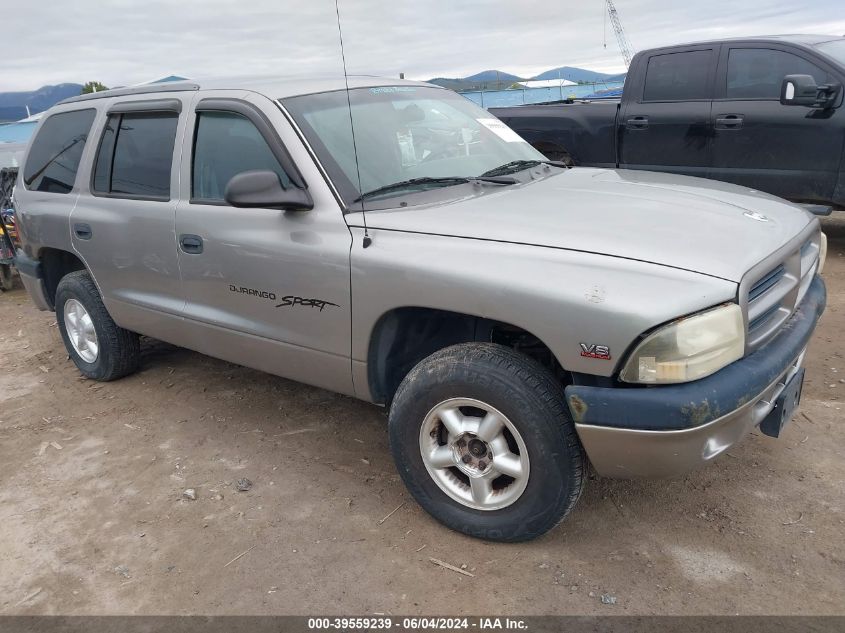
(474, 453)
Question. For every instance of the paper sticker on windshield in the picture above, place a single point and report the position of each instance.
(390, 89)
(501, 130)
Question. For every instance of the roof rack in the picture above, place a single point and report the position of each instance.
(180, 86)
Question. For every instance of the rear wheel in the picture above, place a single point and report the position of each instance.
(484, 442)
(97, 345)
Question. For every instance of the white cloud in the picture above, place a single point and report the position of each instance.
(128, 41)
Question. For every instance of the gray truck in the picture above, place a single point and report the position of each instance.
(395, 243)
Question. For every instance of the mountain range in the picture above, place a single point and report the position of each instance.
(13, 104)
(497, 79)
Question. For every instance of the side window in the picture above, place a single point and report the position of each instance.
(55, 153)
(226, 144)
(757, 73)
(678, 76)
(136, 154)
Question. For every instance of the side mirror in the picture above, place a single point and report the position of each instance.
(263, 189)
(801, 90)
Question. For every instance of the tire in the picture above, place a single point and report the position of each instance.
(553, 151)
(118, 351)
(467, 383)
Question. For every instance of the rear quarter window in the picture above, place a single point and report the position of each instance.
(56, 151)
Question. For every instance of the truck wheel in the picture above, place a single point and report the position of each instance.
(553, 151)
(483, 440)
(101, 350)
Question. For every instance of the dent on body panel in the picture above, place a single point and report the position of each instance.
(44, 220)
(595, 294)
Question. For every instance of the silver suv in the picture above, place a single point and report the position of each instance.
(395, 243)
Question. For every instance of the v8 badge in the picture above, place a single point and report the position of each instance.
(591, 350)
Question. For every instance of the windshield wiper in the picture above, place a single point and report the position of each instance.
(518, 165)
(446, 181)
(54, 158)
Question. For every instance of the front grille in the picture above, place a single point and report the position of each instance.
(773, 294)
(768, 281)
(760, 321)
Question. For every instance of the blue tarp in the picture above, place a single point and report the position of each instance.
(17, 132)
(523, 96)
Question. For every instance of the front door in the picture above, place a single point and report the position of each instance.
(789, 151)
(666, 126)
(264, 288)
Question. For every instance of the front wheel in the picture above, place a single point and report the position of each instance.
(483, 440)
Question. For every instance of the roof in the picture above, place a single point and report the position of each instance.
(168, 79)
(546, 83)
(805, 39)
(33, 118)
(272, 87)
(18, 132)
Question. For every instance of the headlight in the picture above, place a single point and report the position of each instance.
(689, 349)
(822, 253)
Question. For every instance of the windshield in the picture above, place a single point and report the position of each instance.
(834, 49)
(404, 133)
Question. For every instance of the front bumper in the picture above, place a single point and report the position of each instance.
(665, 431)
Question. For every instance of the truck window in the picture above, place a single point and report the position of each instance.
(677, 76)
(136, 154)
(834, 49)
(54, 157)
(757, 73)
(226, 144)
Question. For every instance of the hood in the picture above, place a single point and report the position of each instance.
(694, 224)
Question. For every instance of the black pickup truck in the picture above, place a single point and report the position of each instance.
(762, 112)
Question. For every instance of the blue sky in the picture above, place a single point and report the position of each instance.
(121, 42)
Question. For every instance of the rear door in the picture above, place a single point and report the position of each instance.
(122, 225)
(666, 126)
(265, 288)
(790, 151)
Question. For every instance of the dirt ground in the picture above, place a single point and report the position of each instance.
(92, 519)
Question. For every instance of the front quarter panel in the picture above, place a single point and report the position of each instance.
(563, 297)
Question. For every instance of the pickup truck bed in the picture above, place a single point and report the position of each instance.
(583, 132)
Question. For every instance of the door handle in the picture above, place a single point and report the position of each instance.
(83, 231)
(191, 244)
(729, 121)
(637, 123)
